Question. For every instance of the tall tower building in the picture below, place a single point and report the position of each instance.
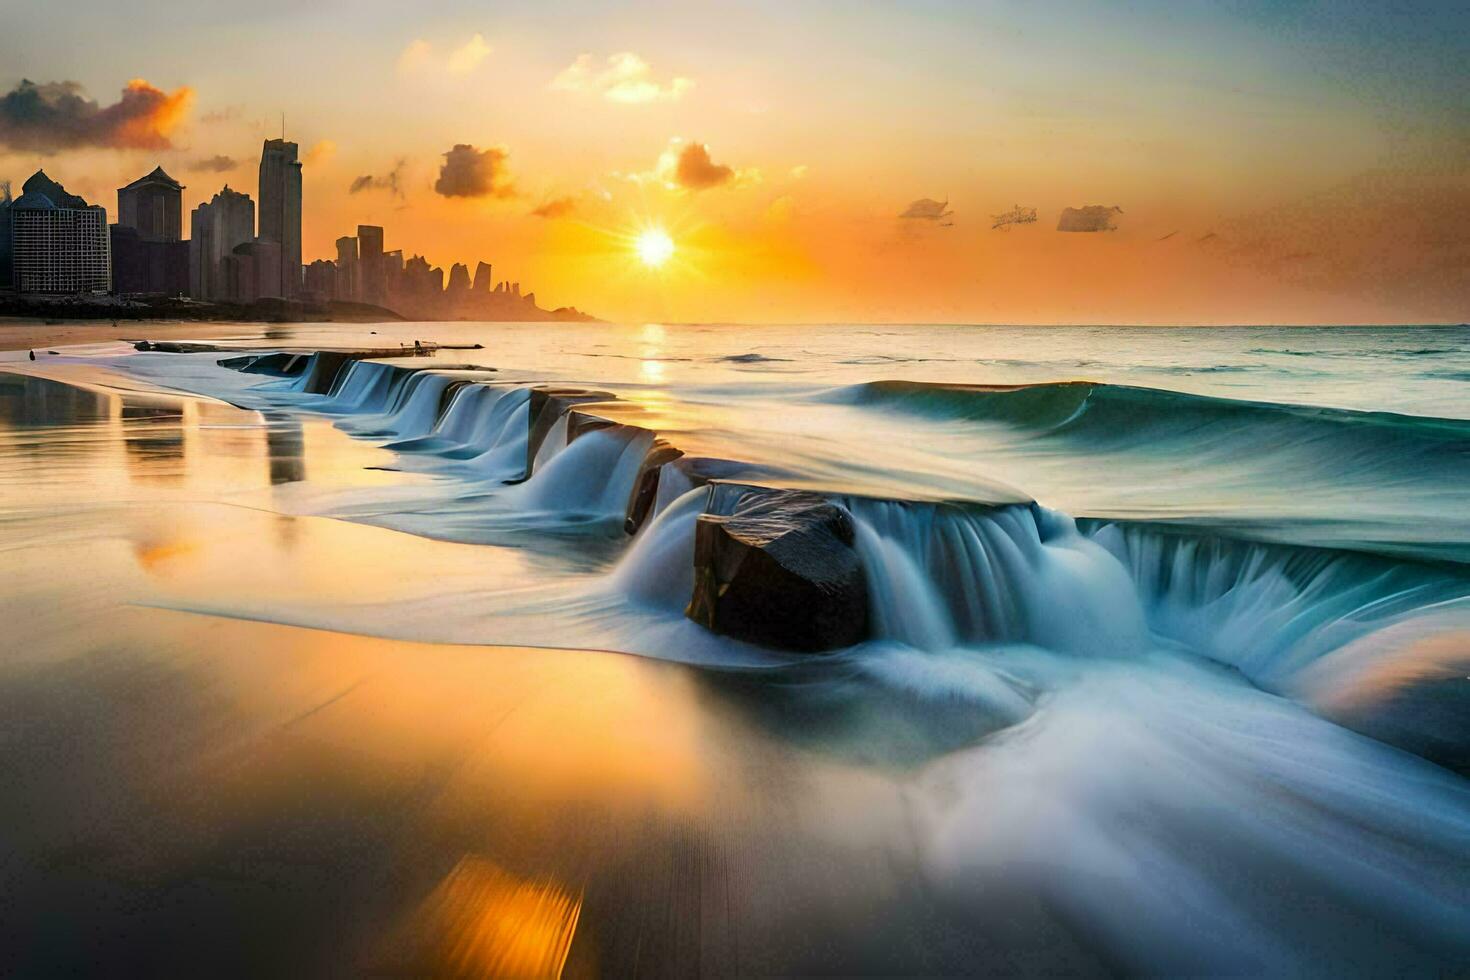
(280, 209)
(154, 206)
(371, 273)
(349, 271)
(215, 229)
(5, 234)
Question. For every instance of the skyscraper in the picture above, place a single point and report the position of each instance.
(149, 254)
(59, 241)
(153, 204)
(371, 277)
(349, 282)
(214, 231)
(4, 234)
(280, 208)
(321, 280)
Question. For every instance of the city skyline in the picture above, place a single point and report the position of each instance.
(1304, 165)
(55, 243)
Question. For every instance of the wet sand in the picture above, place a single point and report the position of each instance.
(222, 797)
(25, 334)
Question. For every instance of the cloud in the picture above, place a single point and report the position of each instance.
(419, 55)
(467, 57)
(626, 78)
(927, 209)
(468, 171)
(56, 116)
(779, 211)
(217, 164)
(1094, 217)
(695, 170)
(391, 181)
(685, 165)
(321, 151)
(557, 207)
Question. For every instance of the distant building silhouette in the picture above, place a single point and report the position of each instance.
(459, 281)
(149, 254)
(252, 271)
(153, 205)
(5, 263)
(280, 209)
(215, 229)
(59, 242)
(392, 264)
(371, 281)
(348, 284)
(147, 267)
(321, 280)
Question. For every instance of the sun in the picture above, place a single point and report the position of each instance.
(654, 247)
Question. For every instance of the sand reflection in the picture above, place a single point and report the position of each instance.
(482, 921)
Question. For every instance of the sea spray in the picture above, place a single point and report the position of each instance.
(1178, 820)
(659, 566)
(593, 475)
(1269, 610)
(941, 574)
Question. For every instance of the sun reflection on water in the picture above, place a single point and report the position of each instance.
(482, 921)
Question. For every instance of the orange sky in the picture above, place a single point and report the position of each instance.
(1279, 164)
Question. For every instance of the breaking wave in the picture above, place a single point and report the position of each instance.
(1120, 417)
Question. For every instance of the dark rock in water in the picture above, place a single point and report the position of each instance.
(447, 395)
(645, 487)
(325, 366)
(780, 571)
(176, 347)
(580, 423)
(548, 405)
(279, 364)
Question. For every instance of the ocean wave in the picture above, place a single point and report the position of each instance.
(1369, 352)
(1186, 369)
(629, 357)
(1109, 414)
(751, 358)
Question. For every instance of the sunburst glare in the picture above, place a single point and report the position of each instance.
(654, 247)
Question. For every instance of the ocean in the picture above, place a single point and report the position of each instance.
(1165, 668)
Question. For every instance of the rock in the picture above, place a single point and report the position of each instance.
(580, 423)
(547, 406)
(323, 369)
(780, 571)
(447, 395)
(280, 364)
(177, 347)
(645, 487)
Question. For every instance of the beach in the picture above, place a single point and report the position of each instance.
(26, 334)
(333, 666)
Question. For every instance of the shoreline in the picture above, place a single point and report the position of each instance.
(26, 333)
